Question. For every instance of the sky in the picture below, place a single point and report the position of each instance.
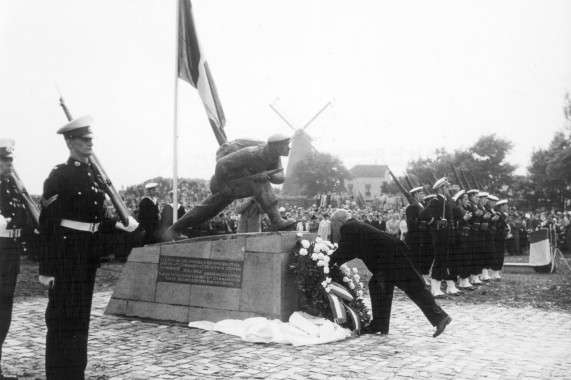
(404, 78)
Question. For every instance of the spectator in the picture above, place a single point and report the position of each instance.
(303, 225)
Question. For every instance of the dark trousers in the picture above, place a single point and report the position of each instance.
(441, 266)
(499, 252)
(420, 250)
(381, 288)
(69, 309)
(9, 269)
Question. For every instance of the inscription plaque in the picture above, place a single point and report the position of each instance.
(188, 270)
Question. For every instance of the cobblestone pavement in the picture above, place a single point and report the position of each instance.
(482, 341)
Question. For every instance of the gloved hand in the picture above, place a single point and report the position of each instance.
(4, 223)
(48, 281)
(133, 224)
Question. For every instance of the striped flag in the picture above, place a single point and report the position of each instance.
(193, 68)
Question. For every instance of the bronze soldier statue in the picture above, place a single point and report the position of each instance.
(247, 172)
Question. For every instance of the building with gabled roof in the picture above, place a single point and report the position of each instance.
(368, 180)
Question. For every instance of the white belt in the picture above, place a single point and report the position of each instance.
(80, 226)
(14, 233)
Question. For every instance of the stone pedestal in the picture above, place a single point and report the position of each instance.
(209, 278)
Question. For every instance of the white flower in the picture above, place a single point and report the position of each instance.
(320, 256)
(318, 240)
(330, 252)
(345, 269)
(326, 259)
(299, 234)
(320, 247)
(346, 279)
(303, 251)
(361, 285)
(326, 271)
(328, 244)
(351, 285)
(327, 288)
(305, 243)
(328, 279)
(357, 277)
(324, 284)
(320, 263)
(314, 256)
(355, 270)
(359, 293)
(335, 245)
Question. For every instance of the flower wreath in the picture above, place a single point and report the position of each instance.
(328, 292)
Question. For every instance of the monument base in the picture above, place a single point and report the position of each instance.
(209, 278)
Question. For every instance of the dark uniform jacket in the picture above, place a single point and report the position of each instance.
(379, 251)
(11, 205)
(73, 192)
(149, 216)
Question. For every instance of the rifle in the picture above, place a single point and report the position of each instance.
(457, 176)
(426, 189)
(407, 195)
(120, 207)
(466, 178)
(476, 182)
(27, 199)
(409, 181)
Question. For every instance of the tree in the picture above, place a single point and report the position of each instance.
(550, 173)
(484, 163)
(321, 173)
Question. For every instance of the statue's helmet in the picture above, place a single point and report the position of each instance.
(278, 138)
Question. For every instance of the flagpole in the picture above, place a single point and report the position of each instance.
(175, 118)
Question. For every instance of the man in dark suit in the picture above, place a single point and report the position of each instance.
(387, 258)
(167, 215)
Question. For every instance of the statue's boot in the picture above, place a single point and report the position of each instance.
(264, 195)
(271, 208)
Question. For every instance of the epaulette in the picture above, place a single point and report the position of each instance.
(59, 166)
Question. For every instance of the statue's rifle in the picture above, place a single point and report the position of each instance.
(110, 190)
(407, 195)
(27, 199)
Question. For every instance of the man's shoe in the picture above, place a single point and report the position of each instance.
(442, 325)
(371, 330)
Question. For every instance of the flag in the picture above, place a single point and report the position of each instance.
(193, 68)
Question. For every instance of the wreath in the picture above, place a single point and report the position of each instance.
(316, 281)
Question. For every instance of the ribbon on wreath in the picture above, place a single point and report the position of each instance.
(336, 296)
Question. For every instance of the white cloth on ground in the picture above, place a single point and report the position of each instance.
(301, 330)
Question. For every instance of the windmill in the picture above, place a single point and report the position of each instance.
(301, 149)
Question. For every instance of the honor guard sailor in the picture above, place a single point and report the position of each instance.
(149, 214)
(71, 222)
